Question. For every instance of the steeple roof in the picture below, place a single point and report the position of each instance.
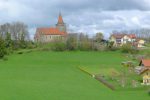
(60, 19)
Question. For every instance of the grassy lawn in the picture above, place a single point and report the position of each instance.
(55, 76)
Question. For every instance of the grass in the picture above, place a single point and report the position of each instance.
(55, 76)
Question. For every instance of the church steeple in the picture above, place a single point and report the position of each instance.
(60, 19)
(60, 24)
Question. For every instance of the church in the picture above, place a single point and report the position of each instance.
(51, 34)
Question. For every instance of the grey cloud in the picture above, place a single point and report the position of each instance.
(88, 16)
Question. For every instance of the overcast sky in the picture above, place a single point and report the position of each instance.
(89, 16)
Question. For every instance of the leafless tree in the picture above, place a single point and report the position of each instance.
(19, 29)
(5, 28)
(16, 29)
(99, 37)
(140, 33)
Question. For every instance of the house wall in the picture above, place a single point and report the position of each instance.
(48, 38)
(112, 39)
(120, 42)
(126, 39)
(141, 43)
(146, 73)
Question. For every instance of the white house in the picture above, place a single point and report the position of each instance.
(120, 39)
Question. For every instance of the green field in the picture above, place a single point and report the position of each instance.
(55, 76)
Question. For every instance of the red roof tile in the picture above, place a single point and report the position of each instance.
(132, 36)
(119, 36)
(146, 62)
(50, 31)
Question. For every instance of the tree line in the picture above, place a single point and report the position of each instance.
(80, 41)
(13, 36)
(143, 33)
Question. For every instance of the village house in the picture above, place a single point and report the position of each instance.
(120, 39)
(140, 43)
(51, 33)
(144, 70)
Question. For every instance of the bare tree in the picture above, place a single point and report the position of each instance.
(140, 33)
(5, 28)
(99, 37)
(19, 29)
(16, 30)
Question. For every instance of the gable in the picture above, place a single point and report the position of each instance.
(146, 72)
(141, 41)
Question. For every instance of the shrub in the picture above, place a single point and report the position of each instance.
(97, 46)
(128, 48)
(58, 46)
(149, 92)
(85, 46)
(31, 45)
(3, 50)
(46, 49)
(20, 52)
(111, 49)
(71, 43)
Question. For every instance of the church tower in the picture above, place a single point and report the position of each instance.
(60, 24)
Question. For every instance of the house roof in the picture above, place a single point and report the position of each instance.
(132, 36)
(50, 31)
(120, 35)
(138, 39)
(145, 62)
(144, 70)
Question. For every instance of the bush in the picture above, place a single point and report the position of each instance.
(46, 49)
(111, 49)
(85, 46)
(58, 46)
(20, 52)
(71, 43)
(3, 50)
(31, 45)
(149, 92)
(128, 48)
(134, 51)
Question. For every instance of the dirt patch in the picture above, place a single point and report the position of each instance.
(102, 80)
(99, 78)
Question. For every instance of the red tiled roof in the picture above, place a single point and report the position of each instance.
(132, 36)
(50, 31)
(119, 36)
(146, 62)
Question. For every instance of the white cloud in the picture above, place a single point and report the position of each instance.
(89, 16)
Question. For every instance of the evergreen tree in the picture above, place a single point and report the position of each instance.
(8, 41)
(2, 48)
